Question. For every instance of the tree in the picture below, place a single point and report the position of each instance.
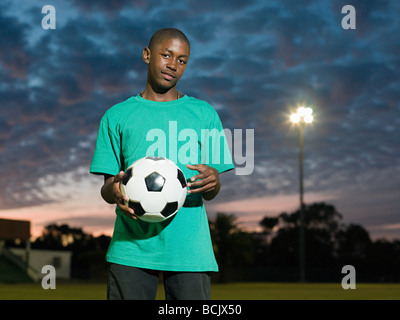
(268, 223)
(221, 229)
(88, 252)
(232, 246)
(384, 260)
(60, 237)
(353, 246)
(322, 222)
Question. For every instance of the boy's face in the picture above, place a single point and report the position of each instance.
(166, 63)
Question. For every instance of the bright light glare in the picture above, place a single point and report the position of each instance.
(303, 114)
(301, 111)
(308, 118)
(294, 117)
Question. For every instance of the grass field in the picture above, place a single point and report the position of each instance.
(230, 291)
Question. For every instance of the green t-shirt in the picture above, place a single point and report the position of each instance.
(186, 130)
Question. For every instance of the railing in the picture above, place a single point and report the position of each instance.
(19, 262)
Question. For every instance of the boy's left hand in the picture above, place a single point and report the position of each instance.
(207, 181)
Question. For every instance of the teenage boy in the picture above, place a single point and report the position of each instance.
(181, 246)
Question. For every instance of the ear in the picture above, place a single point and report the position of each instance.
(146, 55)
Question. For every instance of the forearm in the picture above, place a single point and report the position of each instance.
(106, 191)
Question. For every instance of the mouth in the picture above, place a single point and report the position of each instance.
(168, 75)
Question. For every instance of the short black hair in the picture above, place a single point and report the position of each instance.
(167, 33)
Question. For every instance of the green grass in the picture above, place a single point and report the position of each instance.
(230, 291)
(304, 291)
(63, 291)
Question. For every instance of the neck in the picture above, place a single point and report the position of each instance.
(149, 94)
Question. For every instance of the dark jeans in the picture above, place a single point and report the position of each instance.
(130, 283)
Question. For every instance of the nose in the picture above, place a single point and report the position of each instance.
(172, 64)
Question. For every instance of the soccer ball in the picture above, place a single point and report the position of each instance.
(156, 188)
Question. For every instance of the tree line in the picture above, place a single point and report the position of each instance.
(269, 255)
(330, 244)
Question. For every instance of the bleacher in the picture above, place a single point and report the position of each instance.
(11, 273)
(12, 268)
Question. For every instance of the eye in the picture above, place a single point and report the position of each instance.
(181, 61)
(165, 55)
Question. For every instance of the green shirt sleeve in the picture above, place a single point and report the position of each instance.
(107, 157)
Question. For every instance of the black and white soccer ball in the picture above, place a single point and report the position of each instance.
(156, 188)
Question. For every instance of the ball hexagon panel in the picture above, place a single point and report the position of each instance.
(136, 188)
(152, 217)
(166, 168)
(172, 190)
(153, 202)
(182, 198)
(141, 168)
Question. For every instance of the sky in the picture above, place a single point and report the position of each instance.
(254, 61)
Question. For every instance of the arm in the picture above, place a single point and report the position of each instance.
(207, 181)
(110, 192)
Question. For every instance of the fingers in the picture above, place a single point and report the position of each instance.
(200, 180)
(126, 210)
(205, 181)
(118, 195)
(119, 177)
(201, 168)
(121, 199)
(202, 188)
(129, 215)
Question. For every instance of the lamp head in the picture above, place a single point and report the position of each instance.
(303, 114)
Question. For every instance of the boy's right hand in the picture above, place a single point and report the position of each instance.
(111, 193)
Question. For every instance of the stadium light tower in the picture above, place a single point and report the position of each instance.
(301, 117)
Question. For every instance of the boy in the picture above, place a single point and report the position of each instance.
(181, 246)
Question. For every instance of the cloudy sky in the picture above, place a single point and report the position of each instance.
(254, 61)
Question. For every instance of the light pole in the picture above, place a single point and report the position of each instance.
(301, 117)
